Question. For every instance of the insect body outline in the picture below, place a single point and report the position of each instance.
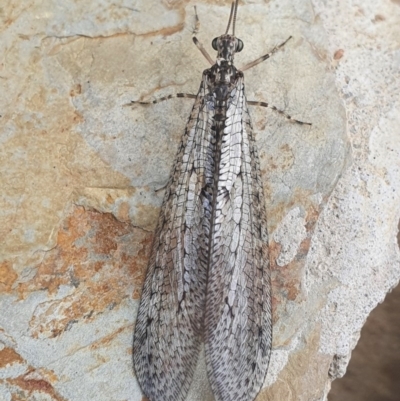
(208, 278)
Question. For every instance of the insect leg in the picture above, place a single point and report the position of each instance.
(264, 104)
(266, 56)
(161, 99)
(196, 28)
(203, 50)
(196, 41)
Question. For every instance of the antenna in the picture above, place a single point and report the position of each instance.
(230, 19)
(234, 16)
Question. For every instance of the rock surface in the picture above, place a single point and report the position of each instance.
(82, 180)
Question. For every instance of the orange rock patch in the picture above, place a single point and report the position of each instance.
(101, 259)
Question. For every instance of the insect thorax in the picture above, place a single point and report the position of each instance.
(221, 81)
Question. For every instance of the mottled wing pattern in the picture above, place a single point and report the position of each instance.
(169, 324)
(238, 327)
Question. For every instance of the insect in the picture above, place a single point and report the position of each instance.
(208, 279)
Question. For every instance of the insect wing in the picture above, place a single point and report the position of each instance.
(238, 327)
(169, 325)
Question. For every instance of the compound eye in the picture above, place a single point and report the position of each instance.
(214, 43)
(239, 46)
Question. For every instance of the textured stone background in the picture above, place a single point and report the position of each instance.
(82, 180)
